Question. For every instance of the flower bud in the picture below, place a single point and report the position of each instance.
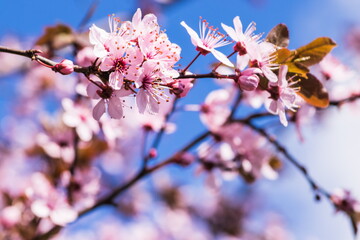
(65, 67)
(248, 80)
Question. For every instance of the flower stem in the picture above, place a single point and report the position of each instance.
(187, 67)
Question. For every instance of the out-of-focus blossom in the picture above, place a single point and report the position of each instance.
(215, 109)
(79, 117)
(48, 202)
(208, 40)
(11, 62)
(344, 201)
(57, 143)
(11, 215)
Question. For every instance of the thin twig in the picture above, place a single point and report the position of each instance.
(315, 187)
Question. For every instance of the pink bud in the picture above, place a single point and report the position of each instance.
(153, 153)
(181, 87)
(65, 67)
(248, 80)
(184, 159)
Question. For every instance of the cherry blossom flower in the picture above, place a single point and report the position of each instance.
(110, 100)
(121, 61)
(57, 142)
(208, 40)
(146, 26)
(344, 201)
(282, 96)
(242, 39)
(151, 90)
(47, 202)
(261, 56)
(79, 117)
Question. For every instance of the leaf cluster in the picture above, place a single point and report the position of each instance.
(299, 61)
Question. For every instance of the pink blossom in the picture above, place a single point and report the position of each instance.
(110, 100)
(121, 62)
(47, 202)
(146, 26)
(57, 142)
(79, 117)
(242, 39)
(282, 96)
(151, 89)
(208, 41)
(344, 201)
(215, 109)
(261, 56)
(11, 215)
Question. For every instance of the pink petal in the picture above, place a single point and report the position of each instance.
(40, 208)
(99, 110)
(282, 75)
(141, 101)
(122, 93)
(107, 64)
(270, 75)
(136, 20)
(230, 31)
(273, 107)
(282, 114)
(91, 91)
(242, 61)
(63, 215)
(238, 26)
(221, 57)
(84, 132)
(195, 39)
(115, 108)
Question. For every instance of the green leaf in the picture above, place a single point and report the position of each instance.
(312, 91)
(314, 52)
(279, 36)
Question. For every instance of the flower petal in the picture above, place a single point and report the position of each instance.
(141, 100)
(231, 32)
(115, 108)
(221, 57)
(99, 110)
(195, 39)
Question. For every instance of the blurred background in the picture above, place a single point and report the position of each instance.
(331, 143)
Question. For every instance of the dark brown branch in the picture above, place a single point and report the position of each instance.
(33, 54)
(345, 100)
(207, 75)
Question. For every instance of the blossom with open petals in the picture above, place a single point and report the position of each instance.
(208, 41)
(283, 96)
(242, 39)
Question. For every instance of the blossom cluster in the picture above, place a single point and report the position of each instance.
(254, 60)
(139, 58)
